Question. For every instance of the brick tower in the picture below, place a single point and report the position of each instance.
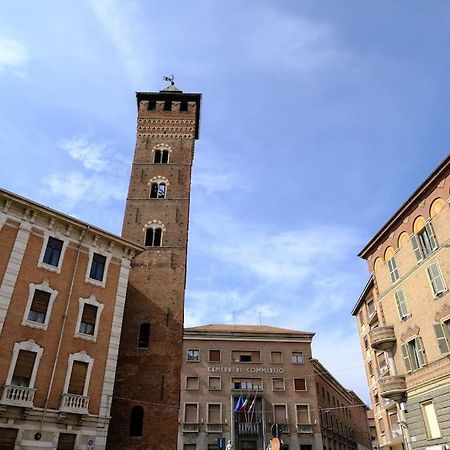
(146, 395)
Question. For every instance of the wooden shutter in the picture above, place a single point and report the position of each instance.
(302, 414)
(280, 413)
(393, 270)
(66, 441)
(416, 247)
(420, 352)
(77, 378)
(436, 279)
(8, 438)
(214, 383)
(276, 357)
(89, 314)
(191, 382)
(431, 236)
(190, 413)
(214, 355)
(40, 301)
(24, 364)
(299, 384)
(214, 413)
(402, 304)
(441, 339)
(406, 358)
(278, 384)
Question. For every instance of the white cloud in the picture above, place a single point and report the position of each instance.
(13, 57)
(91, 155)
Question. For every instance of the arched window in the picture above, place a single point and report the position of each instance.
(153, 237)
(144, 335)
(136, 421)
(161, 157)
(158, 190)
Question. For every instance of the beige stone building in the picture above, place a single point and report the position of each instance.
(62, 295)
(271, 370)
(403, 317)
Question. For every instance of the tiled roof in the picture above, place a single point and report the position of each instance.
(237, 328)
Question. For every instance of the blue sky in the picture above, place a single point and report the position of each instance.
(318, 120)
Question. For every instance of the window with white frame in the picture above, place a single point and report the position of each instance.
(402, 304)
(214, 383)
(39, 305)
(303, 414)
(191, 413)
(280, 413)
(193, 355)
(78, 374)
(52, 252)
(299, 384)
(442, 331)
(413, 354)
(436, 279)
(97, 269)
(24, 364)
(424, 242)
(214, 413)
(192, 383)
(276, 357)
(89, 312)
(430, 420)
(297, 358)
(393, 269)
(278, 384)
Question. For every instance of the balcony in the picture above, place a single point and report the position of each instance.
(73, 403)
(304, 428)
(383, 338)
(214, 427)
(18, 396)
(393, 387)
(248, 427)
(191, 427)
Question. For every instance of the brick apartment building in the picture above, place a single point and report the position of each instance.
(272, 371)
(403, 317)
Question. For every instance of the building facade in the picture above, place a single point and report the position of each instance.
(62, 295)
(147, 389)
(239, 380)
(403, 317)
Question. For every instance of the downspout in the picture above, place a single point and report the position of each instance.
(58, 349)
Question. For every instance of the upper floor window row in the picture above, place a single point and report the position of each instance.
(168, 105)
(215, 355)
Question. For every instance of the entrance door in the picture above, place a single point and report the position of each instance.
(248, 444)
(8, 438)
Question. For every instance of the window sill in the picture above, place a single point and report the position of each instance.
(440, 295)
(86, 337)
(98, 283)
(192, 361)
(405, 318)
(49, 267)
(36, 325)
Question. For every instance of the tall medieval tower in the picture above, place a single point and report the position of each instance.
(146, 395)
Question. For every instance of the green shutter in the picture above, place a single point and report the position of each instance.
(436, 279)
(441, 339)
(393, 270)
(406, 359)
(416, 247)
(431, 235)
(420, 352)
(402, 304)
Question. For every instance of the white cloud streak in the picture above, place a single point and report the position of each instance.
(14, 57)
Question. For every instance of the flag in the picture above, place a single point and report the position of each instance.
(239, 403)
(245, 404)
(252, 405)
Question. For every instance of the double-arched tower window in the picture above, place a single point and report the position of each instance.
(158, 187)
(154, 232)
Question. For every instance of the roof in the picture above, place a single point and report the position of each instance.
(427, 185)
(229, 328)
(367, 288)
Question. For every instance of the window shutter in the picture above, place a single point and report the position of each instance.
(214, 355)
(416, 247)
(24, 364)
(441, 339)
(280, 413)
(77, 378)
(302, 414)
(420, 352)
(40, 301)
(299, 384)
(277, 357)
(89, 314)
(436, 279)
(213, 413)
(190, 413)
(393, 270)
(406, 359)
(402, 304)
(431, 236)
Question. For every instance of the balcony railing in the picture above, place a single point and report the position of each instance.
(191, 427)
(248, 427)
(73, 403)
(304, 428)
(18, 396)
(393, 387)
(382, 338)
(214, 427)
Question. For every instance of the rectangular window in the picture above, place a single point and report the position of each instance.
(247, 356)
(299, 384)
(88, 319)
(371, 308)
(297, 358)
(382, 364)
(393, 270)
(436, 279)
(424, 242)
(214, 355)
(214, 383)
(278, 384)
(97, 267)
(53, 251)
(39, 305)
(24, 368)
(442, 331)
(413, 354)
(77, 378)
(249, 384)
(280, 413)
(302, 414)
(214, 410)
(402, 305)
(66, 441)
(191, 383)
(430, 420)
(276, 357)
(193, 355)
(190, 413)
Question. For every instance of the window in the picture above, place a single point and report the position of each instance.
(424, 242)
(161, 157)
(248, 356)
(39, 305)
(192, 383)
(214, 355)
(78, 378)
(250, 384)
(436, 279)
(280, 414)
(66, 441)
(276, 357)
(402, 305)
(303, 416)
(393, 270)
(97, 267)
(190, 413)
(158, 190)
(24, 368)
(214, 383)
(382, 364)
(297, 358)
(53, 251)
(371, 308)
(167, 105)
(183, 105)
(88, 320)
(153, 237)
(193, 355)
(214, 413)
(151, 105)
(442, 331)
(413, 354)
(278, 384)
(136, 421)
(144, 335)
(430, 420)
(299, 384)
(381, 425)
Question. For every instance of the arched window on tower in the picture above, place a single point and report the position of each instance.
(161, 156)
(153, 237)
(136, 421)
(144, 335)
(158, 190)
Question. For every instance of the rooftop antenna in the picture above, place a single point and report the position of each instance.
(169, 79)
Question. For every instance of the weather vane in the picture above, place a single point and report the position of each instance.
(170, 79)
